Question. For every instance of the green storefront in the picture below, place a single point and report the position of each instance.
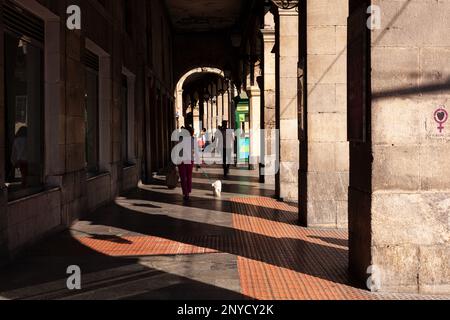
(243, 123)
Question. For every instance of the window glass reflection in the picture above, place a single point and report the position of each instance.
(124, 131)
(91, 121)
(24, 118)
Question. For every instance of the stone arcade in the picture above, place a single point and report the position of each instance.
(358, 144)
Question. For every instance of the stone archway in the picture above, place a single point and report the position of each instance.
(179, 87)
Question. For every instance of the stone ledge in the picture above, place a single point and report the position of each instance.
(35, 195)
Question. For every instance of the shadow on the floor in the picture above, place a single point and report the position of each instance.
(234, 178)
(160, 195)
(48, 261)
(228, 186)
(333, 241)
(236, 188)
(329, 263)
(146, 205)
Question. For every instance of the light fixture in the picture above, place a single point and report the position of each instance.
(250, 59)
(227, 73)
(226, 86)
(206, 94)
(267, 6)
(195, 96)
(220, 86)
(214, 89)
(236, 39)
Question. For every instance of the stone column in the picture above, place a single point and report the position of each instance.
(399, 208)
(287, 112)
(226, 115)
(214, 113)
(219, 108)
(269, 94)
(211, 115)
(254, 96)
(232, 94)
(180, 104)
(196, 120)
(207, 115)
(325, 172)
(201, 107)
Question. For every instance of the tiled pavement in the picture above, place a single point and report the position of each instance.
(152, 245)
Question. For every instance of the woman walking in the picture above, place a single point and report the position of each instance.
(186, 168)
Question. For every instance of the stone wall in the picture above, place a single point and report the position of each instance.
(32, 218)
(400, 209)
(99, 191)
(73, 195)
(130, 178)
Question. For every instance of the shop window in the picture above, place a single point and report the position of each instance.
(128, 118)
(124, 116)
(24, 101)
(91, 113)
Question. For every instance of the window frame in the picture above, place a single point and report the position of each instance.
(14, 195)
(129, 159)
(96, 171)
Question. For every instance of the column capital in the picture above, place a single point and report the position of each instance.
(288, 12)
(268, 35)
(253, 91)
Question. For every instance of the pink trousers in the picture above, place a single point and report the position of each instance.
(186, 177)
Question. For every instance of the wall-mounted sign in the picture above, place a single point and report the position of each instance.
(441, 117)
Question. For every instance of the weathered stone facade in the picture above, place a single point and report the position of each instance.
(399, 192)
(118, 35)
(359, 145)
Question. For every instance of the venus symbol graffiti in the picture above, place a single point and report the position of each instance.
(441, 117)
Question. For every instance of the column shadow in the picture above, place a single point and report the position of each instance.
(47, 263)
(325, 262)
(157, 195)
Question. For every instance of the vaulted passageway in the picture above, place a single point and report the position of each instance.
(337, 148)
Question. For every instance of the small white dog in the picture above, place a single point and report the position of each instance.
(217, 188)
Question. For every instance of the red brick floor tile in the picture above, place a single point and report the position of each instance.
(141, 246)
(277, 259)
(306, 264)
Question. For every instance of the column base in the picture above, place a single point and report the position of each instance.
(4, 251)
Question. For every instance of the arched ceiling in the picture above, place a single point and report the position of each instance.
(199, 81)
(198, 78)
(212, 33)
(204, 15)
